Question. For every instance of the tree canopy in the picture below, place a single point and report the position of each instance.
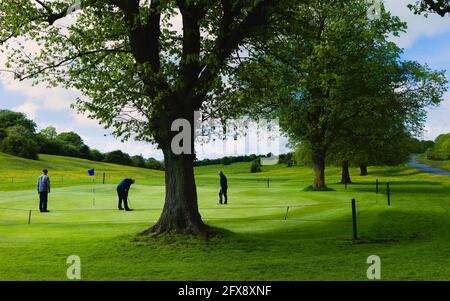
(334, 78)
(137, 72)
(10, 118)
(441, 7)
(309, 61)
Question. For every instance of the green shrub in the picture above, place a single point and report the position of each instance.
(441, 150)
(97, 155)
(152, 163)
(19, 130)
(138, 161)
(256, 166)
(287, 159)
(20, 146)
(226, 161)
(429, 154)
(2, 134)
(118, 157)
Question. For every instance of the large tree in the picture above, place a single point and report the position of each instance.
(332, 70)
(137, 72)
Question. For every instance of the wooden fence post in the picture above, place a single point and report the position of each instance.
(355, 229)
(389, 194)
(287, 211)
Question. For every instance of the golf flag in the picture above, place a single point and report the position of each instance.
(91, 173)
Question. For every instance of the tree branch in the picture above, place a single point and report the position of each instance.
(439, 8)
(191, 41)
(231, 37)
(64, 62)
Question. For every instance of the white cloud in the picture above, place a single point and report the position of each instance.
(83, 120)
(445, 105)
(29, 108)
(438, 121)
(46, 98)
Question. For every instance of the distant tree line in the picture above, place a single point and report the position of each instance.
(394, 151)
(256, 165)
(226, 160)
(18, 137)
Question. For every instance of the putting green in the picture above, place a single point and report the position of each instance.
(257, 242)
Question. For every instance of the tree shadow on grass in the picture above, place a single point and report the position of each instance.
(306, 240)
(394, 226)
(376, 225)
(222, 239)
(404, 186)
(277, 250)
(396, 172)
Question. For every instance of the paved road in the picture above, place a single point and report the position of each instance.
(426, 168)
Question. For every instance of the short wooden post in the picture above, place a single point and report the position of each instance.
(287, 211)
(29, 217)
(267, 182)
(104, 175)
(389, 194)
(355, 230)
(376, 186)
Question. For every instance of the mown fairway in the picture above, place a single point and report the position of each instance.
(412, 236)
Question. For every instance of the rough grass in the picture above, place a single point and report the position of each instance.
(443, 164)
(254, 240)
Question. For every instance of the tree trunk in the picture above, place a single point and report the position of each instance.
(345, 173)
(319, 170)
(180, 213)
(363, 168)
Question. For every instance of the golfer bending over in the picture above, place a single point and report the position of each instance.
(43, 187)
(122, 192)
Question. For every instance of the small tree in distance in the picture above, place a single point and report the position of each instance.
(255, 167)
(337, 82)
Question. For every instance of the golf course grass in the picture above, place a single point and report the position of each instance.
(257, 240)
(443, 164)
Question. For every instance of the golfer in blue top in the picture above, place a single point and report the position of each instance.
(122, 192)
(43, 188)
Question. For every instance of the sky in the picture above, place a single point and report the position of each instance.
(426, 41)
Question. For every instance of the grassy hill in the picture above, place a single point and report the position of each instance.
(18, 173)
(257, 242)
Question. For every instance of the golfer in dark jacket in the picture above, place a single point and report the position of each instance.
(122, 192)
(223, 188)
(43, 188)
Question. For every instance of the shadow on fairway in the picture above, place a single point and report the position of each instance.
(396, 225)
(403, 186)
(396, 172)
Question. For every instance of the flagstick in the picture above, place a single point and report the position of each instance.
(93, 191)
